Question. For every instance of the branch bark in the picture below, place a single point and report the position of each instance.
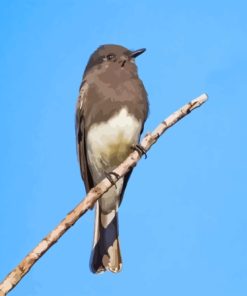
(15, 276)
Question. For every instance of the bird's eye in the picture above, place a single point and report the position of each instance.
(110, 56)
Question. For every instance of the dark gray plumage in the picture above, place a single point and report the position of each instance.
(111, 110)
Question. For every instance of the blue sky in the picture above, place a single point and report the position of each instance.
(183, 222)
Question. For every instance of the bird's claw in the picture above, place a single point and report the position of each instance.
(140, 149)
(109, 177)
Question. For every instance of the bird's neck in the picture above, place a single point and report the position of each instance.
(112, 73)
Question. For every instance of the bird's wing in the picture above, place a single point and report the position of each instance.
(126, 179)
(80, 137)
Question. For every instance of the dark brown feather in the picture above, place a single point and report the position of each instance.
(80, 138)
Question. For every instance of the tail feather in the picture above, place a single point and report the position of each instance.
(106, 249)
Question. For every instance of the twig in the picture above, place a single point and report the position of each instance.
(15, 276)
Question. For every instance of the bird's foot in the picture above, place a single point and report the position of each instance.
(140, 149)
(109, 177)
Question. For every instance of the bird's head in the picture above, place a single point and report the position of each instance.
(107, 55)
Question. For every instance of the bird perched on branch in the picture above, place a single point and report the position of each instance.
(110, 113)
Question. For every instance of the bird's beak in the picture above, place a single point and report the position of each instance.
(137, 52)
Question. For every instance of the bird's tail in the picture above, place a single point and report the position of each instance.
(106, 250)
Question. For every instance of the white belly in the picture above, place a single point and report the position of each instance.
(108, 144)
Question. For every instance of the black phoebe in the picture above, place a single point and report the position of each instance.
(110, 113)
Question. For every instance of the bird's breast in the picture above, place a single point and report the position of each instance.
(109, 142)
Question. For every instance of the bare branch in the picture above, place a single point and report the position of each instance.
(15, 276)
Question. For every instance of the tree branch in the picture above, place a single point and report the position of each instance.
(15, 276)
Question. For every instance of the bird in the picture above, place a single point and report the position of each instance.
(111, 110)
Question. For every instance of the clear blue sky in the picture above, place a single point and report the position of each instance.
(183, 222)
